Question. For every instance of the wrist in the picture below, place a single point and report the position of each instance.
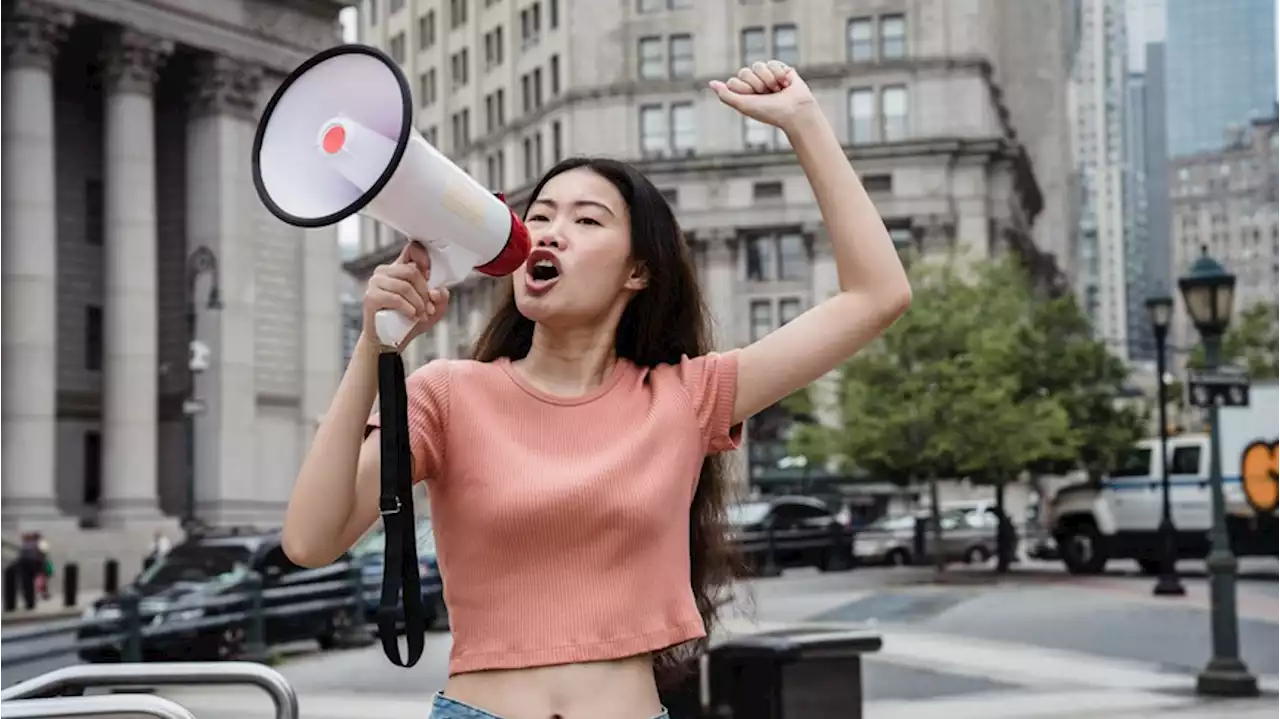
(806, 118)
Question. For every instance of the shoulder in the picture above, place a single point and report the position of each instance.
(695, 371)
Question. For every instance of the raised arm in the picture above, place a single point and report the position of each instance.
(874, 290)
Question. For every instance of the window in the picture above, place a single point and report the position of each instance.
(537, 153)
(431, 134)
(1134, 463)
(500, 103)
(554, 71)
(650, 58)
(684, 128)
(397, 48)
(461, 122)
(92, 468)
(394, 6)
(761, 319)
(537, 87)
(680, 4)
(680, 55)
(553, 14)
(756, 134)
(893, 113)
(861, 115)
(653, 130)
(755, 47)
(647, 6)
(458, 68)
(671, 195)
(499, 46)
(788, 309)
(94, 212)
(793, 259)
(93, 338)
(526, 98)
(860, 47)
(777, 257)
(785, 44)
(878, 183)
(893, 37)
(458, 13)
(528, 159)
(431, 86)
(427, 30)
(491, 167)
(769, 190)
(557, 145)
(1185, 460)
(422, 89)
(489, 114)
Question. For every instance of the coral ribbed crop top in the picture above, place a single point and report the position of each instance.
(562, 524)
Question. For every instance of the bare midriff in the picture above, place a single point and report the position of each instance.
(618, 688)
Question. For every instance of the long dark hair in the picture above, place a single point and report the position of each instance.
(662, 322)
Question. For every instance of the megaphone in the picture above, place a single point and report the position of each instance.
(337, 138)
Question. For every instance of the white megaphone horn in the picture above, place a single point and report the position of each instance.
(337, 138)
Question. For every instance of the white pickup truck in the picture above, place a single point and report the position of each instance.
(1119, 516)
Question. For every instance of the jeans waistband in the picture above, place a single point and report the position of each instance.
(443, 707)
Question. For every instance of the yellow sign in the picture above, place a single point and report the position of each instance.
(1258, 476)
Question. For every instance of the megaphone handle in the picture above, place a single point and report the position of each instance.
(392, 327)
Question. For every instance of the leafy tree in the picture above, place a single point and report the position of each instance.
(1251, 342)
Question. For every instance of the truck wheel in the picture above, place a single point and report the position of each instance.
(1082, 548)
(898, 558)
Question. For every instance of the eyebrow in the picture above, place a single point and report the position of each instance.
(578, 203)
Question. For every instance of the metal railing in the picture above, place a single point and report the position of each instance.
(59, 683)
(136, 623)
(96, 706)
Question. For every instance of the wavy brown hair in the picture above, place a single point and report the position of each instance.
(663, 322)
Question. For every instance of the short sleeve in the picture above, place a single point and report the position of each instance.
(712, 383)
(427, 390)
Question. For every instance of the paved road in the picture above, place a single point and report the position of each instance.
(963, 643)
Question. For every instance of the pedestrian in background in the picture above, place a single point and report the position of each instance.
(572, 466)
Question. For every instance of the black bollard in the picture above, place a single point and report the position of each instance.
(11, 580)
(110, 577)
(70, 584)
(132, 625)
(256, 637)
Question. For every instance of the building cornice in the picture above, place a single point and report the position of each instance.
(268, 37)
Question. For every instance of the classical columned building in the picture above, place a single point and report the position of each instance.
(127, 132)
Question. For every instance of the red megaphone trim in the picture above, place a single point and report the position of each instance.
(514, 253)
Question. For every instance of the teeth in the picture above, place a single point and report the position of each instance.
(544, 263)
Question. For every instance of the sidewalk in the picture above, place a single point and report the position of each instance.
(48, 610)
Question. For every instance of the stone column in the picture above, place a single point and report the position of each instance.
(32, 32)
(130, 63)
(721, 287)
(222, 212)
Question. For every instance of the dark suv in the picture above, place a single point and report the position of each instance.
(791, 531)
(184, 596)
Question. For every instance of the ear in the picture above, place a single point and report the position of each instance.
(639, 278)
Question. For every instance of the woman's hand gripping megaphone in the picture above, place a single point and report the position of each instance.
(398, 292)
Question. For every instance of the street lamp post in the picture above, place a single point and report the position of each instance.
(1160, 310)
(202, 261)
(1208, 291)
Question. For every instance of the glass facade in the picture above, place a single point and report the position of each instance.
(1220, 69)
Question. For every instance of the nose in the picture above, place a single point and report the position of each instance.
(550, 239)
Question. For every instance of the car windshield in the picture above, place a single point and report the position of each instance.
(197, 563)
(375, 542)
(750, 513)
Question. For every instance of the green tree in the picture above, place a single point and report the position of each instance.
(1251, 342)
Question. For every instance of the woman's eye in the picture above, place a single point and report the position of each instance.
(588, 220)
(537, 218)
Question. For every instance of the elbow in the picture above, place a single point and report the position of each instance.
(301, 551)
(896, 301)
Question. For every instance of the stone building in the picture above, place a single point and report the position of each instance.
(127, 135)
(952, 112)
(1225, 201)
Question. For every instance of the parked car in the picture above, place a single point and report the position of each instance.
(368, 554)
(217, 563)
(790, 531)
(900, 540)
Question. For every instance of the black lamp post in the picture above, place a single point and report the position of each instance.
(1160, 310)
(1209, 292)
(202, 261)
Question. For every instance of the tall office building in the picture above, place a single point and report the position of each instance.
(1221, 69)
(1099, 97)
(949, 112)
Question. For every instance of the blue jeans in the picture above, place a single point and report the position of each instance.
(443, 707)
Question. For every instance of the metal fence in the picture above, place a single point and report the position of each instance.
(138, 621)
(56, 694)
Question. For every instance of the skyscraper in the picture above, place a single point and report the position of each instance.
(1221, 69)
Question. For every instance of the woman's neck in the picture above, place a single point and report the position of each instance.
(569, 362)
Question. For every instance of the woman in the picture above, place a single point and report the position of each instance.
(572, 468)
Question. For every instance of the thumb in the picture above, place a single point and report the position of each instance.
(727, 96)
(415, 253)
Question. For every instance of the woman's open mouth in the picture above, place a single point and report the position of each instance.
(541, 271)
